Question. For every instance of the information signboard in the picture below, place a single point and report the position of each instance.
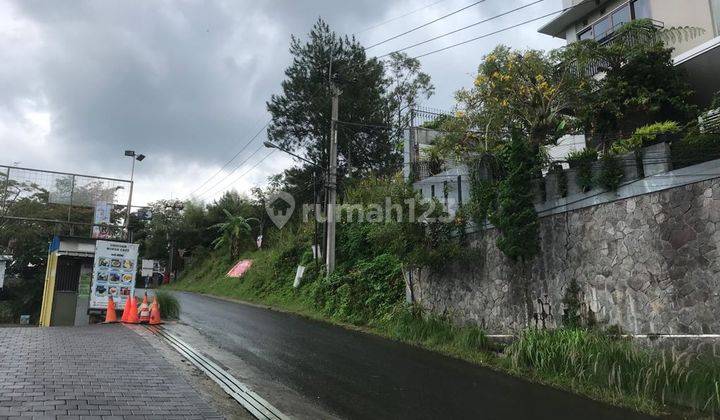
(148, 268)
(101, 220)
(113, 273)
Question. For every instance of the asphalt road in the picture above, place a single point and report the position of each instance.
(361, 376)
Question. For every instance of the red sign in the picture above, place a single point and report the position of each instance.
(240, 268)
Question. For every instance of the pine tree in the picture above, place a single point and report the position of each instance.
(301, 114)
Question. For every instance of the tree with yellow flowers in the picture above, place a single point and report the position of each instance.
(531, 91)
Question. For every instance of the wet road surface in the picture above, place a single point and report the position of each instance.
(361, 376)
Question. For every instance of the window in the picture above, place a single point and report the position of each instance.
(641, 9)
(587, 34)
(715, 11)
(605, 26)
(621, 16)
(602, 28)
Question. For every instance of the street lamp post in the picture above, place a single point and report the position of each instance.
(139, 158)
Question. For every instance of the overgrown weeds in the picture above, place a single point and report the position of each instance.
(583, 358)
(169, 305)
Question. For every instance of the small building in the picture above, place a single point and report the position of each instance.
(67, 282)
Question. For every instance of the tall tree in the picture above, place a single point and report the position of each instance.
(407, 85)
(301, 114)
(529, 90)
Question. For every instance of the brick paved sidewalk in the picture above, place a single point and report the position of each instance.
(93, 372)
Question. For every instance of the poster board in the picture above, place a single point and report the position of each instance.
(101, 220)
(113, 273)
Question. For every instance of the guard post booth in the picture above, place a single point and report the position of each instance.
(67, 282)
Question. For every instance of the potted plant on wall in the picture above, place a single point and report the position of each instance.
(655, 141)
(581, 170)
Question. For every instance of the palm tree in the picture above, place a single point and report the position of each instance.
(231, 232)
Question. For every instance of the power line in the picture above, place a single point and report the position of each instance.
(502, 30)
(232, 172)
(232, 158)
(424, 25)
(464, 28)
(399, 17)
(253, 167)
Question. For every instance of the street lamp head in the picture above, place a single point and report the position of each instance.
(270, 145)
(140, 157)
(130, 153)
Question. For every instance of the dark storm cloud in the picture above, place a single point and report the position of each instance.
(179, 78)
(185, 82)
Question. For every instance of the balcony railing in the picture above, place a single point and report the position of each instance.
(425, 169)
(627, 39)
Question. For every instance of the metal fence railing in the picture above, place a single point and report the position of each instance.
(61, 197)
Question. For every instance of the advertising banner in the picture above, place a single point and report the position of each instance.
(113, 273)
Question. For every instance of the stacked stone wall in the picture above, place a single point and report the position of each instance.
(649, 264)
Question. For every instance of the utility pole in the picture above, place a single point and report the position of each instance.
(139, 157)
(129, 204)
(332, 184)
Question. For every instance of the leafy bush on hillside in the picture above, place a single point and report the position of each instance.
(366, 293)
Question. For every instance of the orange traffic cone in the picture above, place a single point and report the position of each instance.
(155, 313)
(110, 314)
(131, 309)
(125, 314)
(144, 311)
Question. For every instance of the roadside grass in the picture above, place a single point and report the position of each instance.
(587, 359)
(169, 305)
(591, 363)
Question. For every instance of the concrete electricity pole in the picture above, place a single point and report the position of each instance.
(332, 184)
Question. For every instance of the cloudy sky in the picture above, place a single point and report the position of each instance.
(185, 82)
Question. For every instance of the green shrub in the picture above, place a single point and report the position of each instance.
(649, 133)
(645, 136)
(695, 148)
(575, 157)
(624, 146)
(169, 305)
(585, 358)
(582, 160)
(611, 172)
(365, 293)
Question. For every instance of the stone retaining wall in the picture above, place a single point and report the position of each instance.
(649, 264)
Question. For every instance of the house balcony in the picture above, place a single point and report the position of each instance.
(627, 39)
